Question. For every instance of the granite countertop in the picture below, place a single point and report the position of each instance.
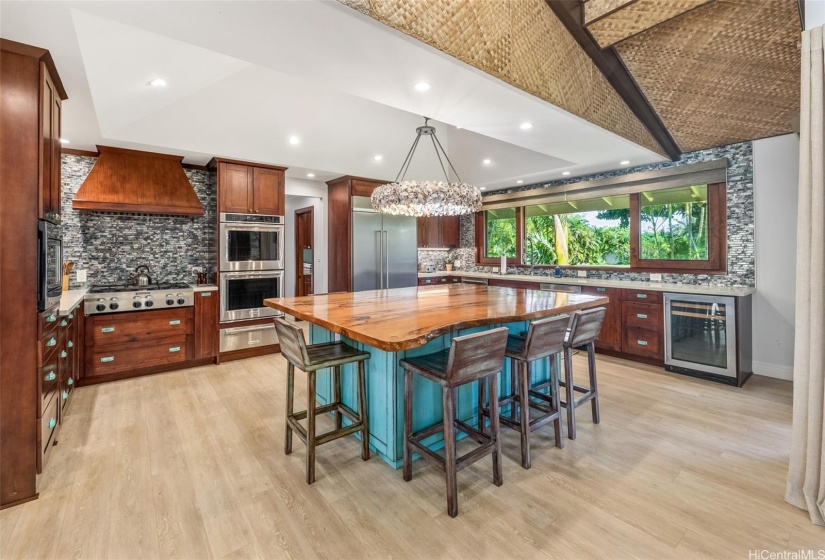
(404, 318)
(705, 289)
(70, 300)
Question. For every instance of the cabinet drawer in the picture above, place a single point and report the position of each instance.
(138, 326)
(65, 359)
(46, 426)
(427, 281)
(454, 280)
(644, 315)
(642, 342)
(643, 296)
(123, 357)
(47, 321)
(48, 378)
(47, 346)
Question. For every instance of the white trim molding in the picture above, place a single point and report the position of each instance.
(777, 371)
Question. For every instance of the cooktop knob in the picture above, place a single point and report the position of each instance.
(113, 299)
(149, 303)
(170, 302)
(113, 306)
(181, 301)
(100, 307)
(136, 304)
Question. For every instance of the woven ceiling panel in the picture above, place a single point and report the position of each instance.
(634, 17)
(594, 9)
(722, 73)
(522, 43)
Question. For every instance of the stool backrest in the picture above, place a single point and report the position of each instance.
(586, 326)
(474, 356)
(545, 337)
(293, 345)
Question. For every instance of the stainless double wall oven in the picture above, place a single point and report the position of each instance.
(252, 265)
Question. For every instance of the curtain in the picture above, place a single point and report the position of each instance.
(806, 472)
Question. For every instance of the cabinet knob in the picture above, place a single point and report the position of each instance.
(65, 395)
(63, 354)
(641, 342)
(70, 381)
(71, 315)
(64, 323)
(107, 329)
(175, 322)
(70, 344)
(51, 342)
(175, 349)
(52, 423)
(50, 377)
(641, 315)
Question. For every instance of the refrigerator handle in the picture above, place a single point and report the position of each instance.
(386, 249)
(380, 260)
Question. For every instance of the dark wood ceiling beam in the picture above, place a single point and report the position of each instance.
(609, 63)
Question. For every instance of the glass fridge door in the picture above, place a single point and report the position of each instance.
(701, 333)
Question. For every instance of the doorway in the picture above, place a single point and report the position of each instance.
(304, 251)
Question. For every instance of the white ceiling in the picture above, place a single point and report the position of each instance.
(245, 76)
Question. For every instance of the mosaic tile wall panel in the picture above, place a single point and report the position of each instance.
(741, 267)
(109, 246)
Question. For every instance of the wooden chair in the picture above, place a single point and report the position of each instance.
(311, 359)
(583, 332)
(473, 357)
(543, 339)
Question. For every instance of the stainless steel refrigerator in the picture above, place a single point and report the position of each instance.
(384, 248)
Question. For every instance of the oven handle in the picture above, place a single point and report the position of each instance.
(251, 227)
(257, 274)
(241, 330)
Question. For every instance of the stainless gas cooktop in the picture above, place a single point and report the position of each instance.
(117, 298)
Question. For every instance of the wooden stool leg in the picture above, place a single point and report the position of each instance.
(336, 395)
(524, 408)
(569, 393)
(448, 405)
(591, 366)
(408, 408)
(514, 383)
(481, 418)
(362, 411)
(555, 387)
(310, 427)
(290, 395)
(498, 479)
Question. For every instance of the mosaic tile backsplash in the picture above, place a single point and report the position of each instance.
(109, 246)
(741, 267)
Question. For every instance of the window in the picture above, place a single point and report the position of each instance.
(657, 230)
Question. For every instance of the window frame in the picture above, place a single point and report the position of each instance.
(716, 262)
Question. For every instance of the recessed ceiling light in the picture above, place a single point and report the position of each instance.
(422, 86)
(310, 174)
(158, 82)
(294, 140)
(64, 141)
(526, 125)
(565, 173)
(487, 161)
(483, 188)
(377, 157)
(519, 182)
(624, 162)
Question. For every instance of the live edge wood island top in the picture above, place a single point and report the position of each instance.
(404, 318)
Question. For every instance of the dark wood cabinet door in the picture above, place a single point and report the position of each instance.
(55, 187)
(450, 226)
(433, 236)
(421, 231)
(206, 324)
(235, 188)
(49, 145)
(610, 337)
(268, 191)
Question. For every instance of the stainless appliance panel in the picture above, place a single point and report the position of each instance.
(246, 246)
(400, 251)
(700, 333)
(367, 251)
(240, 338)
(243, 293)
(49, 264)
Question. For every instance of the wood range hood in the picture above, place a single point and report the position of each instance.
(137, 182)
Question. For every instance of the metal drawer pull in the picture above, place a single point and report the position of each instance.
(107, 329)
(50, 377)
(52, 423)
(70, 381)
(71, 315)
(64, 323)
(107, 359)
(601, 289)
(51, 318)
(70, 344)
(175, 322)
(63, 354)
(51, 342)
(641, 296)
(254, 342)
(65, 395)
(641, 342)
(175, 349)
(641, 315)
(206, 294)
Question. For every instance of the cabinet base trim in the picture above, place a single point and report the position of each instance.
(248, 353)
(105, 378)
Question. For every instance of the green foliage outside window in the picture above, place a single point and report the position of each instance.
(674, 224)
(501, 232)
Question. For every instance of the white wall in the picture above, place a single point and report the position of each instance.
(814, 13)
(301, 193)
(775, 178)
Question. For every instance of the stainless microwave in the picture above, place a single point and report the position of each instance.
(252, 245)
(49, 264)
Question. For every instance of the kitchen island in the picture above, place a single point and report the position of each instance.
(405, 322)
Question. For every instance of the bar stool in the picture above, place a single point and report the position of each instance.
(310, 359)
(472, 357)
(544, 338)
(583, 332)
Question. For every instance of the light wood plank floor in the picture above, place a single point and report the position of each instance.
(190, 464)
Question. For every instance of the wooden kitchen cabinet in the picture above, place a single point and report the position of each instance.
(438, 232)
(246, 188)
(206, 324)
(610, 337)
(49, 157)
